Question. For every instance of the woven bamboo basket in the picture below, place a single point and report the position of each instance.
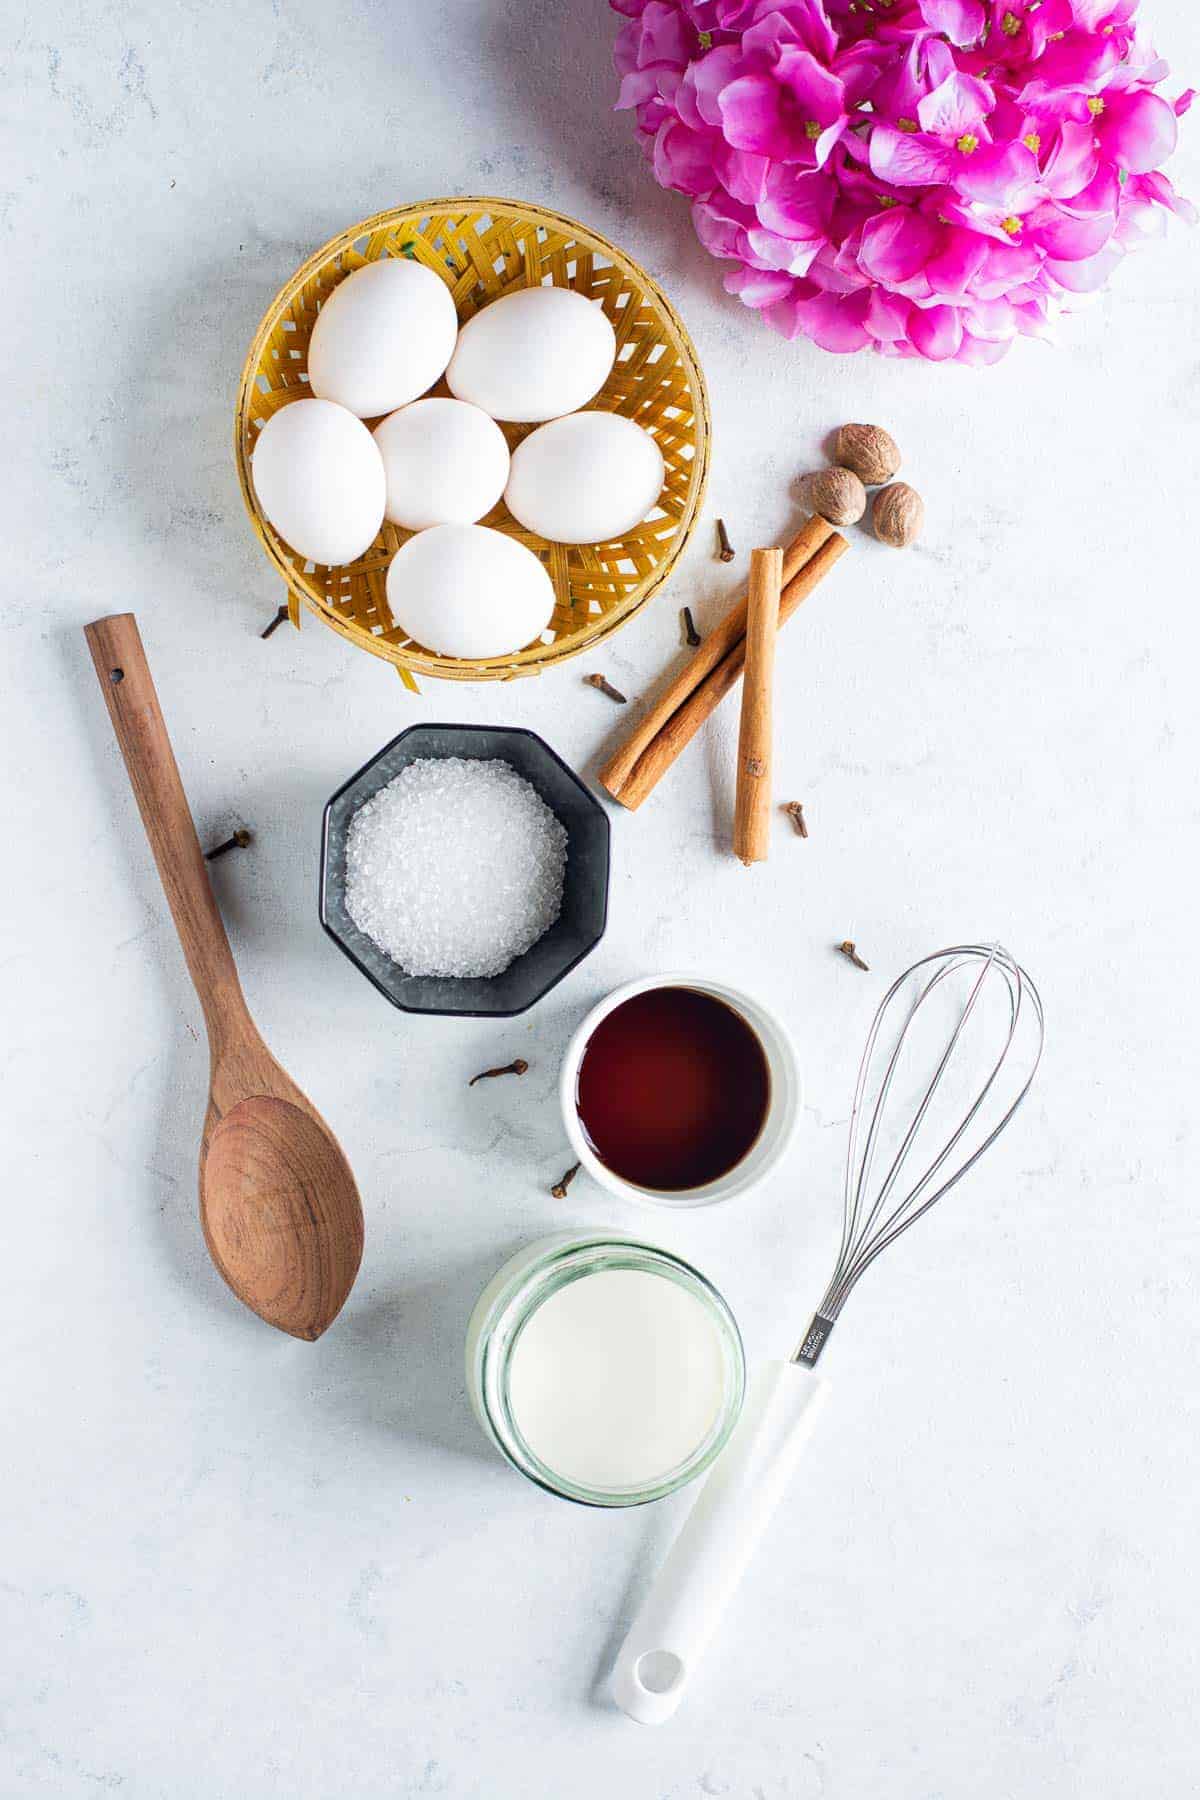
(482, 248)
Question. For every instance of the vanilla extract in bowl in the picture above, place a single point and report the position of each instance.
(673, 1089)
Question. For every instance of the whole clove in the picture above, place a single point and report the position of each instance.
(276, 622)
(725, 549)
(691, 635)
(559, 1190)
(795, 812)
(605, 686)
(517, 1067)
(850, 952)
(239, 841)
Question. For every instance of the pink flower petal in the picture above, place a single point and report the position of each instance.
(706, 80)
(797, 22)
(979, 352)
(1005, 266)
(1074, 61)
(1088, 273)
(956, 262)
(742, 174)
(824, 147)
(1032, 321)
(1001, 175)
(1158, 188)
(1068, 239)
(635, 88)
(815, 90)
(1183, 104)
(961, 21)
(993, 320)
(1092, 15)
(784, 315)
(796, 203)
(650, 115)
(936, 331)
(887, 316)
(837, 271)
(1141, 67)
(759, 287)
(721, 226)
(683, 160)
(770, 252)
(945, 205)
(752, 116)
(835, 321)
(625, 47)
(666, 36)
(812, 21)
(896, 245)
(859, 67)
(907, 159)
(1137, 130)
(1138, 222)
(783, 114)
(856, 185)
(899, 90)
(1072, 162)
(1100, 195)
(956, 106)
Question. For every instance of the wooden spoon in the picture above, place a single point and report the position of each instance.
(280, 1211)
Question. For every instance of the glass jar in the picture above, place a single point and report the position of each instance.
(510, 1300)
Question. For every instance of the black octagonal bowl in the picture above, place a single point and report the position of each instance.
(578, 928)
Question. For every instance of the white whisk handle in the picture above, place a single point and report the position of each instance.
(684, 1607)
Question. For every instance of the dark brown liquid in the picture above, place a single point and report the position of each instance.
(673, 1089)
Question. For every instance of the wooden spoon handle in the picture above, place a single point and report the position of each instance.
(124, 674)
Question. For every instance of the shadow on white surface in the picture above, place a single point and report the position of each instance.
(394, 1363)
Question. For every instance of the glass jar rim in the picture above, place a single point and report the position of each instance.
(568, 1257)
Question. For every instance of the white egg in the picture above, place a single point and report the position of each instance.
(446, 463)
(585, 479)
(465, 590)
(533, 355)
(383, 337)
(319, 478)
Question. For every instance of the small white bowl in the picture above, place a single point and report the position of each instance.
(783, 1106)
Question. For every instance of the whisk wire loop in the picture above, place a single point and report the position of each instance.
(870, 1225)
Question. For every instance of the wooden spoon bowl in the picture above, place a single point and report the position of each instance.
(275, 1205)
(280, 1211)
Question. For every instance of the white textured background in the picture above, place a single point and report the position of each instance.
(236, 1567)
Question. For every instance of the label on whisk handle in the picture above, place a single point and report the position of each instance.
(814, 1340)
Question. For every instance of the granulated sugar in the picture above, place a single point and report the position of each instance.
(455, 867)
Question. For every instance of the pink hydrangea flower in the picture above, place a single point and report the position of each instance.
(928, 178)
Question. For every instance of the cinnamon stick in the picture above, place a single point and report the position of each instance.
(752, 814)
(639, 765)
(719, 642)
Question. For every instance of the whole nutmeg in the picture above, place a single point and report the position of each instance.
(898, 515)
(869, 450)
(838, 495)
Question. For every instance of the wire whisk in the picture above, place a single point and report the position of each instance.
(874, 1219)
(982, 1067)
